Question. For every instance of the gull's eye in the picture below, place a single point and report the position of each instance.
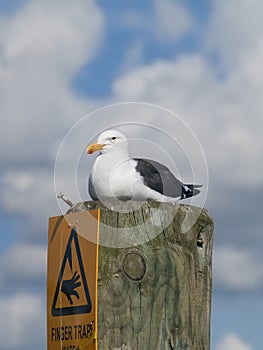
(114, 138)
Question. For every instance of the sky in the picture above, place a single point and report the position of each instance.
(193, 64)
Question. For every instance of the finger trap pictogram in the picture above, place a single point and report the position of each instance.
(69, 286)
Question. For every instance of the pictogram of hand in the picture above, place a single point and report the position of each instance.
(69, 287)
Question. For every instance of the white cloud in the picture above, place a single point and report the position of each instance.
(31, 193)
(171, 20)
(22, 322)
(42, 46)
(167, 21)
(233, 342)
(61, 36)
(28, 192)
(236, 269)
(133, 56)
(164, 79)
(25, 264)
(234, 29)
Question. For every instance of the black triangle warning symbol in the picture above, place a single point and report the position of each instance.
(69, 287)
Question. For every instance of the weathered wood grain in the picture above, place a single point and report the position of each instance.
(154, 276)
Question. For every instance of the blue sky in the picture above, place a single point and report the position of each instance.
(59, 61)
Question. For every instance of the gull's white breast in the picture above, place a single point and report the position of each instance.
(116, 178)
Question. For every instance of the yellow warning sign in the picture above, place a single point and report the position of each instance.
(72, 281)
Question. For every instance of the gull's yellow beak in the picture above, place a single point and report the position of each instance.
(94, 147)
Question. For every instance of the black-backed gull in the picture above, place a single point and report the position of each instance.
(116, 175)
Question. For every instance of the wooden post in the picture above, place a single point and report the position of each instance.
(154, 288)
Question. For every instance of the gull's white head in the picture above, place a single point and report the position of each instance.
(108, 141)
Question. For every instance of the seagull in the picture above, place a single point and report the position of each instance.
(115, 175)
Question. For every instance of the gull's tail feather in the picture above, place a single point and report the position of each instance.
(190, 190)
